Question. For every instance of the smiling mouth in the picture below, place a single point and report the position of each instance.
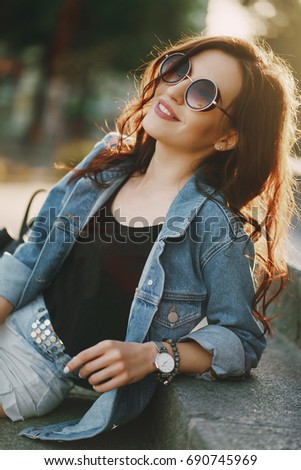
(165, 111)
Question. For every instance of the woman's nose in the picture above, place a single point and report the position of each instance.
(177, 91)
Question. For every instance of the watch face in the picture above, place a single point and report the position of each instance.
(165, 363)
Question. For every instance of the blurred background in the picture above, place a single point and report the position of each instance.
(66, 69)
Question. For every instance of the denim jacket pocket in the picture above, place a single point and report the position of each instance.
(177, 315)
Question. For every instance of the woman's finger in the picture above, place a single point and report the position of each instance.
(94, 366)
(119, 381)
(108, 373)
(88, 355)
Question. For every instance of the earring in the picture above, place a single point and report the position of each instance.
(219, 147)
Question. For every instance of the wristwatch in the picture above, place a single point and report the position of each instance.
(164, 361)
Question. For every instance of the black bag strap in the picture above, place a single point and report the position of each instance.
(7, 242)
(24, 226)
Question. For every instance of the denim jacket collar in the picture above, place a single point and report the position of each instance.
(183, 208)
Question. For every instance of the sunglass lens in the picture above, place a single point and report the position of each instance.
(200, 94)
(171, 72)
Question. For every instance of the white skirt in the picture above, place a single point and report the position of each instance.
(32, 360)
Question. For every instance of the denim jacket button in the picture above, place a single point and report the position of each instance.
(150, 282)
(173, 316)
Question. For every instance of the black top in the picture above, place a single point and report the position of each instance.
(89, 300)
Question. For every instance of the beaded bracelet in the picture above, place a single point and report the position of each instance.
(166, 380)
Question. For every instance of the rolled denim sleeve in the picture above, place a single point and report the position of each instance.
(13, 277)
(233, 336)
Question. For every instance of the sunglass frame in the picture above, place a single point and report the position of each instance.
(212, 104)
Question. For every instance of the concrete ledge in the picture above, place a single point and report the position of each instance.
(287, 307)
(261, 412)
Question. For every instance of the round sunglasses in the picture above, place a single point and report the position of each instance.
(201, 95)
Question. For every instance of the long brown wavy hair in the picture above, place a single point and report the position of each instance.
(255, 177)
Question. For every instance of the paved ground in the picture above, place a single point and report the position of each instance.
(134, 435)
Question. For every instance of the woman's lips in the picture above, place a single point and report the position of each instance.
(165, 111)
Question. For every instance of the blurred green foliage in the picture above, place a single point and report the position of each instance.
(62, 60)
(119, 32)
(63, 63)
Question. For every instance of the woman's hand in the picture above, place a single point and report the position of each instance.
(5, 309)
(112, 364)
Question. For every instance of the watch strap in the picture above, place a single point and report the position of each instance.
(166, 379)
(160, 346)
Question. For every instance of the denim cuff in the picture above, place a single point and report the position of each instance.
(12, 285)
(228, 356)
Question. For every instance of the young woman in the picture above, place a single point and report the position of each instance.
(155, 230)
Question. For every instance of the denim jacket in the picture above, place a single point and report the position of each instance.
(199, 267)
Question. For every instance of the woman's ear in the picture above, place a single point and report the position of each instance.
(227, 142)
